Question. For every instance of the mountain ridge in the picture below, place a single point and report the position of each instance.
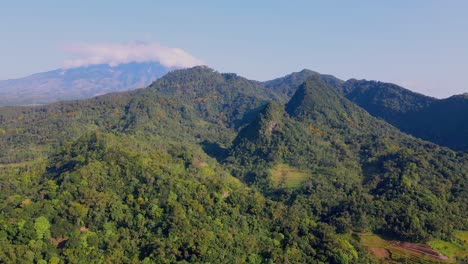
(437, 120)
(409, 111)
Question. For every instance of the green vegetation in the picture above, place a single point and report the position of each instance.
(448, 248)
(462, 236)
(212, 168)
(113, 198)
(366, 174)
(225, 99)
(283, 175)
(457, 248)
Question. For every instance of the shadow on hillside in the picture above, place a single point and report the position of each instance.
(214, 150)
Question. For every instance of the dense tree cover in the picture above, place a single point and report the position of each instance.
(365, 174)
(29, 132)
(125, 177)
(226, 99)
(116, 198)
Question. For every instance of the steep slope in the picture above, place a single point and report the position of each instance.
(365, 174)
(259, 138)
(384, 100)
(78, 83)
(314, 99)
(437, 120)
(288, 84)
(444, 122)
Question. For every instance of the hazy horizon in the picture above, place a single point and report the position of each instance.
(419, 45)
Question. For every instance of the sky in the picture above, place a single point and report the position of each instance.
(421, 44)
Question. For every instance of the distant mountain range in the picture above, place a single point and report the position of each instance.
(79, 83)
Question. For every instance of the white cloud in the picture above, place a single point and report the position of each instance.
(120, 53)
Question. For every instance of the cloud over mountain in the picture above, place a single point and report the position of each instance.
(119, 53)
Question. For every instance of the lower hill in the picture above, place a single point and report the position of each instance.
(113, 198)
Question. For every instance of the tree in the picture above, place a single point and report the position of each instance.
(42, 227)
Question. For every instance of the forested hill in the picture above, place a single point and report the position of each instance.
(211, 167)
(441, 121)
(332, 151)
(226, 99)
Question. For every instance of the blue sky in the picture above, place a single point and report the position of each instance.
(422, 45)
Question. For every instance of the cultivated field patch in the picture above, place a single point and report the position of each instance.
(284, 176)
(389, 251)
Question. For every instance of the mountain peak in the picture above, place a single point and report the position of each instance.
(265, 123)
(219, 97)
(311, 95)
(262, 131)
(321, 104)
(305, 71)
(193, 74)
(288, 84)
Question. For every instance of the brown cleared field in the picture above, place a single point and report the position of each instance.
(421, 248)
(284, 176)
(388, 251)
(380, 253)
